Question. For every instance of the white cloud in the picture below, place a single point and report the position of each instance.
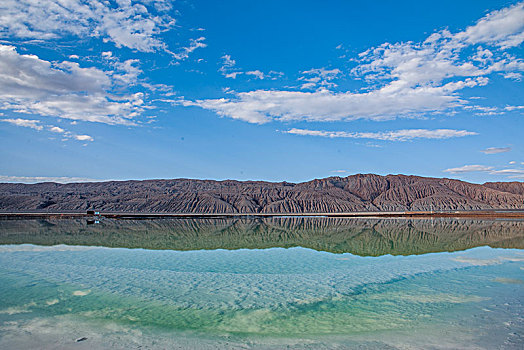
(31, 85)
(503, 28)
(36, 179)
(495, 150)
(135, 25)
(397, 135)
(228, 63)
(483, 110)
(193, 45)
(262, 106)
(229, 70)
(28, 123)
(22, 74)
(258, 74)
(510, 173)
(36, 124)
(126, 72)
(468, 169)
(406, 79)
(83, 137)
(57, 129)
(319, 77)
(232, 75)
(514, 76)
(441, 55)
(513, 108)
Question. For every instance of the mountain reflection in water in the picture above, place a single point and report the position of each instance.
(365, 237)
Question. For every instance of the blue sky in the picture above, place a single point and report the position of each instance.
(260, 90)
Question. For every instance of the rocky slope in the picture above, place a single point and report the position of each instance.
(362, 192)
(511, 187)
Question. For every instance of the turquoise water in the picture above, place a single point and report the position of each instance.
(259, 298)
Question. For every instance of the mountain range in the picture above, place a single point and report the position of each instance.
(361, 192)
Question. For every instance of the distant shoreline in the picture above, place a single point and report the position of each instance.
(495, 214)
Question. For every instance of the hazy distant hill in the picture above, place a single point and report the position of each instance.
(360, 192)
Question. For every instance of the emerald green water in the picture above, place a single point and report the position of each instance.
(274, 297)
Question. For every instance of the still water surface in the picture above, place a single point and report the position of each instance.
(262, 283)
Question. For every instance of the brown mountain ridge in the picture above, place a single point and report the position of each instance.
(361, 192)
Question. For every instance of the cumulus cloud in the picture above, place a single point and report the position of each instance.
(57, 129)
(83, 137)
(232, 75)
(262, 106)
(228, 67)
(35, 86)
(319, 78)
(495, 150)
(468, 169)
(37, 125)
(405, 79)
(128, 71)
(503, 28)
(133, 24)
(397, 135)
(227, 63)
(229, 70)
(256, 73)
(28, 123)
(193, 45)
